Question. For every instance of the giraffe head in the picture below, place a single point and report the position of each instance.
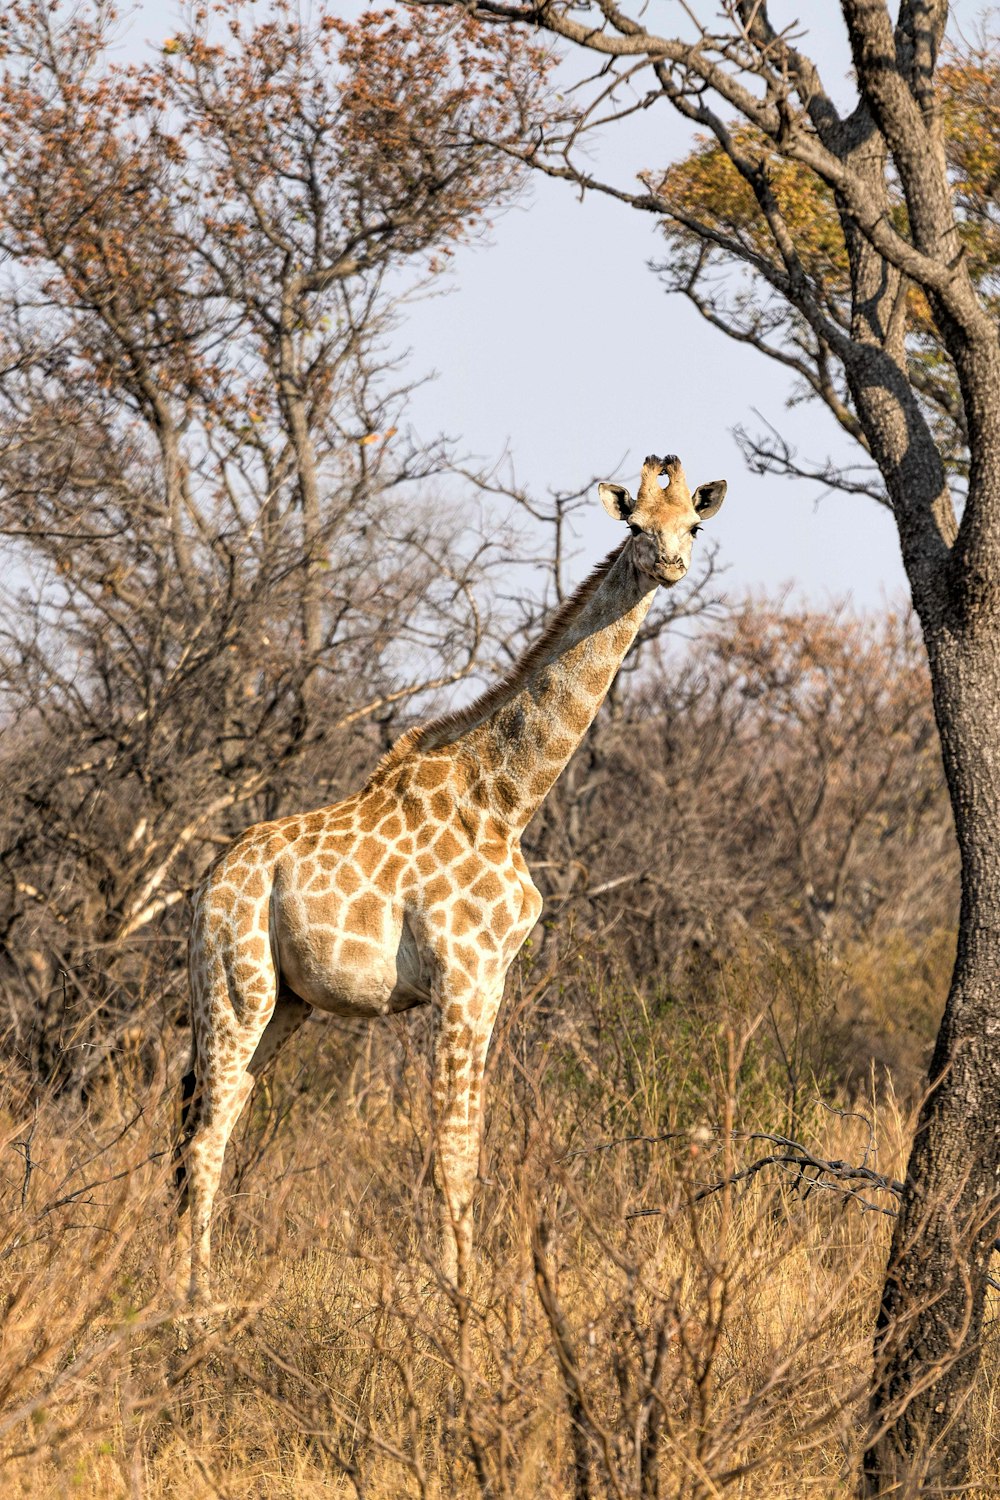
(663, 520)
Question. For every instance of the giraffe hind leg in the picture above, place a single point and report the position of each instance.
(205, 1155)
(220, 1096)
(288, 1015)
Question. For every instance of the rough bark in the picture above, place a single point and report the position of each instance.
(930, 1329)
(930, 1324)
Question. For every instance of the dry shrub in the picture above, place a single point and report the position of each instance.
(623, 1337)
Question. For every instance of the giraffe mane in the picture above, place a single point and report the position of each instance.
(449, 726)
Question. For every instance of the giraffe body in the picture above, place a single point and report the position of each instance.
(414, 890)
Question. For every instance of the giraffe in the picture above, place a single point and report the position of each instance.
(414, 890)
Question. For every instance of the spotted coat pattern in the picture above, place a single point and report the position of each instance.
(414, 890)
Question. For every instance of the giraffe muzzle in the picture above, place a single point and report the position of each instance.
(670, 569)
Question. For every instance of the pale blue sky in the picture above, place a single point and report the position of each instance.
(558, 344)
(561, 344)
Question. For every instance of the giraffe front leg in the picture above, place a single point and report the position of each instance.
(465, 1025)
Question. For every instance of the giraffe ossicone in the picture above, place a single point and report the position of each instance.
(414, 890)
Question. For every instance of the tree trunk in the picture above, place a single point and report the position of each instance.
(294, 404)
(930, 1327)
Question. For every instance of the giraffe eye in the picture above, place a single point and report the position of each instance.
(635, 530)
(695, 530)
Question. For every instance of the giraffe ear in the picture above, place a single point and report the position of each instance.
(616, 501)
(707, 498)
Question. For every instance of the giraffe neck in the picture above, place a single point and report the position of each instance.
(521, 746)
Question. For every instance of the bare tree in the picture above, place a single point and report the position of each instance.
(874, 240)
(224, 562)
(842, 801)
(778, 775)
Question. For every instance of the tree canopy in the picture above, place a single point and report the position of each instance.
(722, 254)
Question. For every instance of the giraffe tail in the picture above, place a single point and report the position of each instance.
(188, 1123)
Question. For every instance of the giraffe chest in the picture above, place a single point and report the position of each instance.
(361, 926)
(353, 980)
(357, 958)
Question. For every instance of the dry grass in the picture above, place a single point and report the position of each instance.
(718, 1347)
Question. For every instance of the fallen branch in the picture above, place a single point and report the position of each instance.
(832, 1175)
(812, 1171)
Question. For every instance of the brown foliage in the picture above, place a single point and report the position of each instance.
(708, 1347)
(781, 775)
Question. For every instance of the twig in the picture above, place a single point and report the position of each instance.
(833, 1176)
